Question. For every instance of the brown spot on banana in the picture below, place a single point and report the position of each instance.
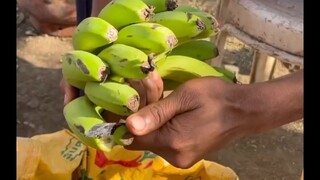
(189, 16)
(172, 41)
(123, 60)
(171, 5)
(80, 128)
(147, 13)
(82, 66)
(201, 25)
(69, 60)
(104, 73)
(148, 66)
(215, 24)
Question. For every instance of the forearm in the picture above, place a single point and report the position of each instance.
(97, 6)
(268, 105)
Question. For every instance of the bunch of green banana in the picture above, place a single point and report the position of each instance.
(128, 40)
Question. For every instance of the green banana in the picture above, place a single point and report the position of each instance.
(161, 56)
(127, 61)
(79, 67)
(183, 25)
(92, 33)
(117, 98)
(122, 136)
(113, 133)
(231, 75)
(211, 23)
(183, 68)
(161, 5)
(187, 8)
(151, 38)
(199, 49)
(116, 78)
(82, 116)
(121, 13)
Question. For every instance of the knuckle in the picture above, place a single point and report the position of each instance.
(189, 97)
(157, 113)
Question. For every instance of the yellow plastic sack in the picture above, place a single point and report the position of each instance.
(61, 156)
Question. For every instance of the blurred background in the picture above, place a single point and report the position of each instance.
(44, 30)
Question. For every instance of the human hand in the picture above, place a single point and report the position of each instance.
(193, 120)
(150, 90)
(205, 114)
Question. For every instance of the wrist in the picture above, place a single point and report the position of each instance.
(263, 106)
(249, 108)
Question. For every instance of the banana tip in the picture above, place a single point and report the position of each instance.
(171, 5)
(134, 103)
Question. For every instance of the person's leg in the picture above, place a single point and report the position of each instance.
(83, 9)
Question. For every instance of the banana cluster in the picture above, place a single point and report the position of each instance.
(128, 40)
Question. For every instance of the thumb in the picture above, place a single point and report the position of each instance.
(153, 116)
(69, 91)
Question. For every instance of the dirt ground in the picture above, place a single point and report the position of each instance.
(275, 155)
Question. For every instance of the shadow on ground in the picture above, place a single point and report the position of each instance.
(277, 155)
(39, 106)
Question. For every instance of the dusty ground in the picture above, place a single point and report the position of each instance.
(275, 155)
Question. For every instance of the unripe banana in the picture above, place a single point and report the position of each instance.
(117, 78)
(79, 67)
(161, 56)
(211, 24)
(162, 5)
(121, 13)
(115, 97)
(127, 61)
(83, 116)
(187, 8)
(151, 38)
(199, 49)
(92, 33)
(183, 25)
(182, 68)
(231, 75)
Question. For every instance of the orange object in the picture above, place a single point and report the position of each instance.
(60, 155)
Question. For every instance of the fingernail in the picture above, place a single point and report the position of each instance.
(138, 123)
